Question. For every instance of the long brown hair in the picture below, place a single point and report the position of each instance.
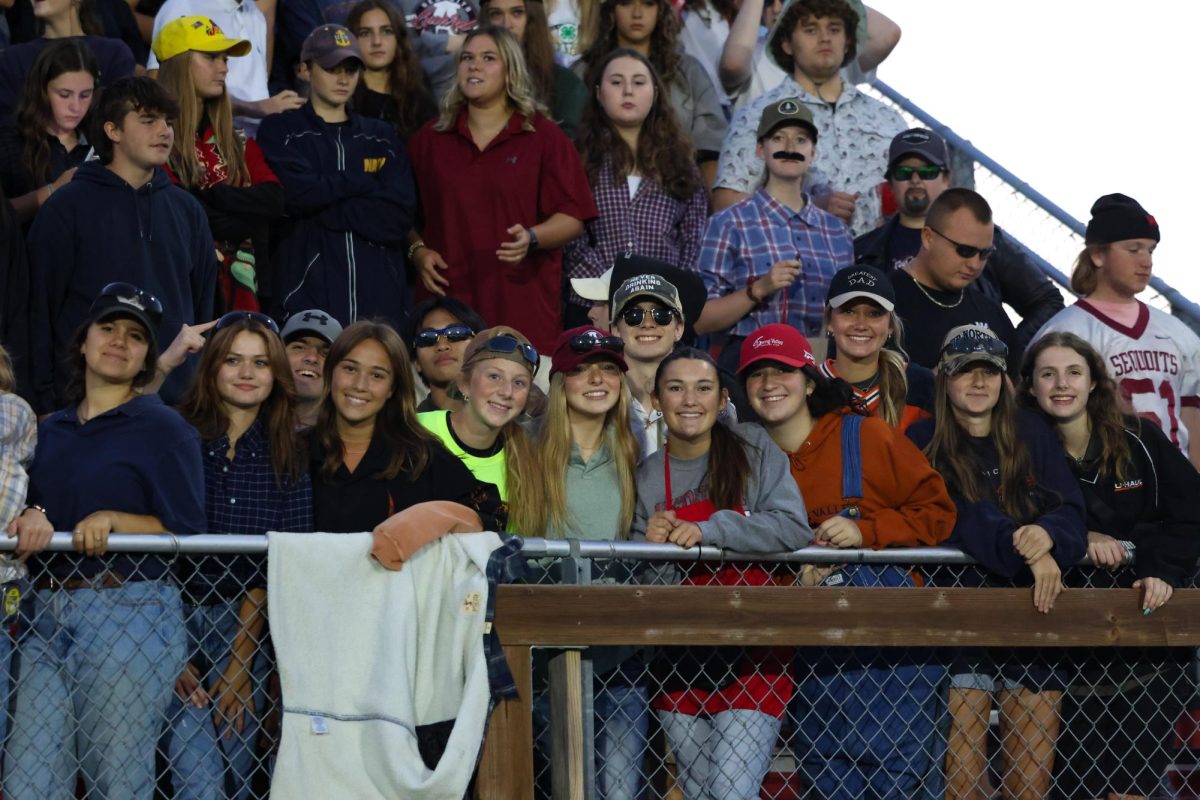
(521, 93)
(665, 52)
(554, 452)
(8, 382)
(950, 452)
(408, 443)
(406, 81)
(539, 50)
(728, 463)
(1103, 404)
(664, 154)
(203, 408)
(1083, 274)
(34, 115)
(175, 75)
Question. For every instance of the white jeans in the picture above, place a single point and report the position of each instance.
(723, 756)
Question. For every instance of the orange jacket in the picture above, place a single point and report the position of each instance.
(904, 503)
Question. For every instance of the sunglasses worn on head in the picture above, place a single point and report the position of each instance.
(662, 316)
(453, 333)
(127, 291)
(967, 343)
(592, 341)
(906, 173)
(238, 316)
(966, 250)
(507, 344)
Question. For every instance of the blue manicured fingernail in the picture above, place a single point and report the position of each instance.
(1147, 611)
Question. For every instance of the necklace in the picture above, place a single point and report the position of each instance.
(961, 294)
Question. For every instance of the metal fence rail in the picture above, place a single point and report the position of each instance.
(832, 689)
(1036, 222)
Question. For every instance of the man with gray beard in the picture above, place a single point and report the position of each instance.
(918, 172)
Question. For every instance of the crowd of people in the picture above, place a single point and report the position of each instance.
(630, 270)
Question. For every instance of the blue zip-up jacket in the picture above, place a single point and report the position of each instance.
(98, 229)
(351, 202)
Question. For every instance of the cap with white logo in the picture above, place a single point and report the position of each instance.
(861, 280)
(776, 342)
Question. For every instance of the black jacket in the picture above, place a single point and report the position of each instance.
(1155, 508)
(353, 502)
(1010, 278)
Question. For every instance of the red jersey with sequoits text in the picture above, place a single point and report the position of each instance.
(1155, 361)
(471, 197)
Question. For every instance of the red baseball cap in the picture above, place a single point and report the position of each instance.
(776, 342)
(584, 343)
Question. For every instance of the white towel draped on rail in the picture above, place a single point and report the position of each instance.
(366, 655)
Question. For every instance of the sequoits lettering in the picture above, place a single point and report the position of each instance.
(442, 16)
(1149, 360)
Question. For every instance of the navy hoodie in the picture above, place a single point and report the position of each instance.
(98, 229)
(351, 202)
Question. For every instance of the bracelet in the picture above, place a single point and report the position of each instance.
(35, 507)
(533, 240)
(414, 247)
(750, 292)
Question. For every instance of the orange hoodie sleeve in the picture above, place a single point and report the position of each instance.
(907, 505)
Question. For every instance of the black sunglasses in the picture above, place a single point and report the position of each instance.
(966, 250)
(453, 333)
(969, 343)
(585, 342)
(634, 315)
(906, 173)
(128, 293)
(507, 344)
(237, 316)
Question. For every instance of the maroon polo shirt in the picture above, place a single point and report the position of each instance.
(469, 198)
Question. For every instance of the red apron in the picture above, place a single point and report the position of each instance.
(762, 679)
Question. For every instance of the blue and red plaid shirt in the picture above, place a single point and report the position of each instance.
(745, 240)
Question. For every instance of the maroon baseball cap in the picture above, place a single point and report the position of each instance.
(776, 342)
(586, 342)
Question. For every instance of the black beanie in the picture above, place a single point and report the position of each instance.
(1116, 218)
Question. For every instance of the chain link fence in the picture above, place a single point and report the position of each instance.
(148, 673)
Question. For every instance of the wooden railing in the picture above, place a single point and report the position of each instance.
(573, 616)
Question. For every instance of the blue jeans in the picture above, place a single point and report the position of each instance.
(622, 719)
(96, 673)
(722, 757)
(204, 764)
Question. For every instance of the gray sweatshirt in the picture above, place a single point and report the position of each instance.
(776, 520)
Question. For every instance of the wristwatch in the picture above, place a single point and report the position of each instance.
(533, 240)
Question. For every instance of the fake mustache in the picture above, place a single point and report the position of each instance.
(784, 155)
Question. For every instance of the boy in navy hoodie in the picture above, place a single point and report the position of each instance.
(350, 194)
(119, 219)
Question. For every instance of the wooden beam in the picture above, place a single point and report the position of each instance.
(506, 765)
(951, 617)
(566, 726)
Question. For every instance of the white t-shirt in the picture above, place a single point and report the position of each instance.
(247, 78)
(564, 31)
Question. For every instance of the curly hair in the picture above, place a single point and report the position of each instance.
(665, 52)
(406, 80)
(664, 152)
(516, 80)
(798, 12)
(34, 115)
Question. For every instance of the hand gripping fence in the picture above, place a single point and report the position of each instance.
(850, 674)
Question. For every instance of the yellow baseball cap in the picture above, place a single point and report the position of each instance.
(195, 33)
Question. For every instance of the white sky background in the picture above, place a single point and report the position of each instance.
(1078, 98)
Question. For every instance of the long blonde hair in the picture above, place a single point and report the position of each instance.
(175, 75)
(517, 83)
(893, 376)
(554, 452)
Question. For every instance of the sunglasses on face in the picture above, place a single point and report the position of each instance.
(129, 293)
(966, 250)
(507, 344)
(970, 343)
(453, 333)
(238, 316)
(662, 315)
(925, 173)
(586, 342)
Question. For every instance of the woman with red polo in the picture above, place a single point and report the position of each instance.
(502, 190)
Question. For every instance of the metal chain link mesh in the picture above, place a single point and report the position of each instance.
(97, 697)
